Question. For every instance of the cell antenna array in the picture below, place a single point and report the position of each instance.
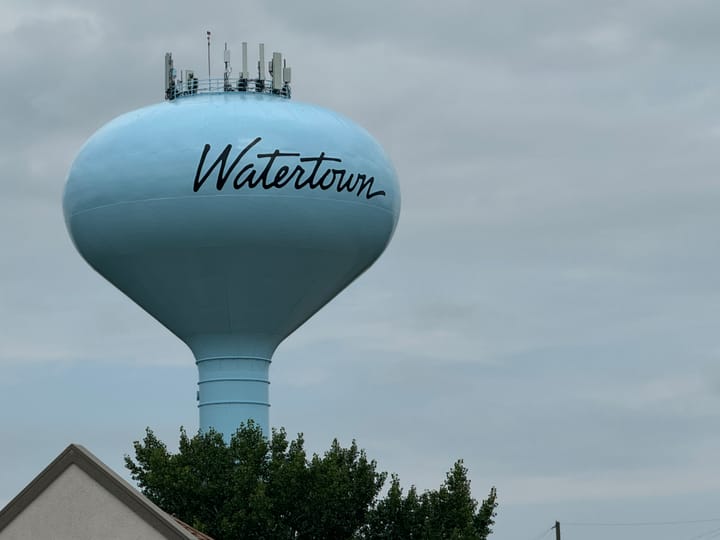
(278, 84)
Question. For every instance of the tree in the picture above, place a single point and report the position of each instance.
(484, 519)
(395, 516)
(260, 488)
(448, 512)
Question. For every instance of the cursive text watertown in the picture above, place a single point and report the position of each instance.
(277, 170)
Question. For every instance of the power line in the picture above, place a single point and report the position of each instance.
(639, 523)
(709, 534)
(543, 534)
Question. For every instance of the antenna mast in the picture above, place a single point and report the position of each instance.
(260, 81)
(208, 36)
(226, 78)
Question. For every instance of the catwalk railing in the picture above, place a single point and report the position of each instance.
(193, 86)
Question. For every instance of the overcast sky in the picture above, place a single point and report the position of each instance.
(548, 309)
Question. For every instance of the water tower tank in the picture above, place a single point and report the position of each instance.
(231, 214)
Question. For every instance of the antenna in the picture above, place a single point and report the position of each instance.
(228, 69)
(191, 81)
(286, 72)
(226, 57)
(244, 74)
(277, 72)
(261, 63)
(286, 75)
(208, 36)
(169, 76)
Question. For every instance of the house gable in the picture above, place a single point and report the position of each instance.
(77, 497)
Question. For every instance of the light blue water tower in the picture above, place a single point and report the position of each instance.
(231, 214)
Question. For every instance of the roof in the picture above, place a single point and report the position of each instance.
(166, 525)
(197, 534)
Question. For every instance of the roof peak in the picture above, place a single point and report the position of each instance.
(78, 455)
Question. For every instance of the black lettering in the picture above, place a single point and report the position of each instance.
(353, 182)
(367, 183)
(237, 183)
(347, 186)
(276, 154)
(299, 171)
(222, 161)
(282, 173)
(321, 183)
(318, 160)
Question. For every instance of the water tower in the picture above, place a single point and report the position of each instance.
(231, 214)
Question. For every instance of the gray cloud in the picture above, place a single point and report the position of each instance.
(546, 310)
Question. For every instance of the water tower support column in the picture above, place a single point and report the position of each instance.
(233, 390)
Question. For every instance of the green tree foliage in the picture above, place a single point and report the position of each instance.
(257, 488)
(449, 512)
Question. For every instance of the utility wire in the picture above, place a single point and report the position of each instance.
(715, 534)
(639, 523)
(543, 534)
(707, 534)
